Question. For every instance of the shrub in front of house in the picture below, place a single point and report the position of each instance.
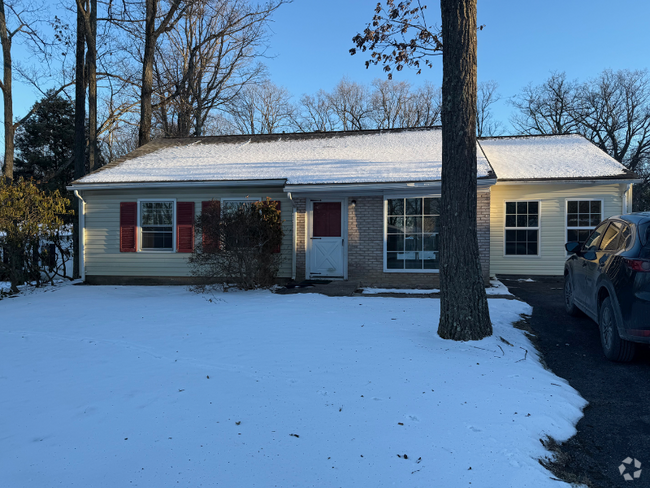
(29, 216)
(239, 246)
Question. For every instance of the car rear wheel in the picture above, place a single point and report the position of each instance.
(569, 302)
(615, 348)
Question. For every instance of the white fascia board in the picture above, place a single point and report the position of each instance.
(174, 184)
(415, 188)
(570, 181)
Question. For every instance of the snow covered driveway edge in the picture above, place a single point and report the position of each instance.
(108, 386)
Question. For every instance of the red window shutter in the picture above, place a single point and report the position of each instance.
(128, 226)
(278, 206)
(209, 245)
(184, 226)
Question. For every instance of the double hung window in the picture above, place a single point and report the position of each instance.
(522, 229)
(157, 224)
(582, 217)
(412, 234)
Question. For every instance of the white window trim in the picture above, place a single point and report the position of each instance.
(148, 251)
(538, 228)
(385, 218)
(566, 215)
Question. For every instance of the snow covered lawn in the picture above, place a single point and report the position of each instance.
(156, 386)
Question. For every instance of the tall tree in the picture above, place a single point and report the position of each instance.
(262, 109)
(423, 107)
(87, 13)
(548, 108)
(315, 113)
(612, 110)
(45, 142)
(79, 128)
(6, 36)
(23, 15)
(464, 313)
(206, 59)
(486, 96)
(389, 101)
(152, 32)
(351, 103)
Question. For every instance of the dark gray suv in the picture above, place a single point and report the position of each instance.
(608, 278)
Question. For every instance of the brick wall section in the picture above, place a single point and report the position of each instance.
(365, 240)
(483, 232)
(366, 244)
(300, 204)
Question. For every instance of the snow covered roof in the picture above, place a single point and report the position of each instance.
(316, 158)
(360, 157)
(550, 157)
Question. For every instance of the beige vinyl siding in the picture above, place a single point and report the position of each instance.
(552, 222)
(102, 230)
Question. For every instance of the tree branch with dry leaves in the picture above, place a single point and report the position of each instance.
(399, 36)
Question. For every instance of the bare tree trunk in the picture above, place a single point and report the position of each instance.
(5, 38)
(79, 130)
(151, 35)
(91, 42)
(464, 313)
(150, 39)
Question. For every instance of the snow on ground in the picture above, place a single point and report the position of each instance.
(156, 386)
(497, 288)
(406, 291)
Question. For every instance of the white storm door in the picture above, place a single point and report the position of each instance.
(326, 256)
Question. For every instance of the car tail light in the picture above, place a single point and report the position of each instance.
(641, 265)
(638, 333)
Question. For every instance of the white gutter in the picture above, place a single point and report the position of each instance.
(356, 189)
(82, 235)
(294, 223)
(574, 181)
(173, 184)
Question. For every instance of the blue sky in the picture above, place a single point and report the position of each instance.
(523, 41)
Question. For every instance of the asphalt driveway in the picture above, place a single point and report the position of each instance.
(616, 424)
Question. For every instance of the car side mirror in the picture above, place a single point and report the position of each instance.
(589, 255)
(572, 247)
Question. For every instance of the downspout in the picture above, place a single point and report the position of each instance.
(627, 199)
(82, 235)
(294, 221)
